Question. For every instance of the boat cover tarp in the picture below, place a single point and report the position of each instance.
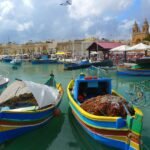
(43, 94)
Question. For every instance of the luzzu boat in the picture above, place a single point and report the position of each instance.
(16, 61)
(18, 116)
(141, 68)
(114, 131)
(45, 60)
(86, 64)
(7, 59)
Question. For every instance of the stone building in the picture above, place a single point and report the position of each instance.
(75, 47)
(137, 34)
(29, 48)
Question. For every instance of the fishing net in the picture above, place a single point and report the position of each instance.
(107, 105)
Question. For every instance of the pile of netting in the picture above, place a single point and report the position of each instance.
(108, 105)
(23, 100)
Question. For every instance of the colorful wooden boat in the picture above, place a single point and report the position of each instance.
(45, 60)
(86, 64)
(7, 59)
(114, 131)
(16, 61)
(123, 70)
(18, 119)
(141, 68)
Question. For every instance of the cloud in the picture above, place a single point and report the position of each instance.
(86, 24)
(108, 18)
(6, 7)
(126, 24)
(89, 8)
(24, 26)
(42, 20)
(28, 3)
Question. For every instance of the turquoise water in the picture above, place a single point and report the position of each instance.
(63, 132)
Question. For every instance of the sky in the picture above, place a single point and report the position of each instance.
(40, 20)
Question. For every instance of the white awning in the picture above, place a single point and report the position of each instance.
(121, 48)
(139, 47)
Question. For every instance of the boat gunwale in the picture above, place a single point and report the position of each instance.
(91, 116)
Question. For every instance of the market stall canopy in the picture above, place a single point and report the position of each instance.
(43, 94)
(121, 48)
(103, 46)
(60, 53)
(139, 47)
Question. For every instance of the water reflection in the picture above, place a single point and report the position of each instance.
(135, 89)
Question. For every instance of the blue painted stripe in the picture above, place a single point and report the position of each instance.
(133, 73)
(25, 116)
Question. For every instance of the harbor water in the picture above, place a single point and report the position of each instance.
(63, 132)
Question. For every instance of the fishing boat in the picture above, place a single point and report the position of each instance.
(141, 68)
(86, 64)
(96, 108)
(7, 59)
(26, 105)
(16, 61)
(3, 81)
(45, 60)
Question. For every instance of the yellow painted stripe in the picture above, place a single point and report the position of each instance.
(119, 138)
(138, 111)
(2, 129)
(135, 145)
(125, 140)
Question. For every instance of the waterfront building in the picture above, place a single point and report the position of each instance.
(28, 48)
(77, 48)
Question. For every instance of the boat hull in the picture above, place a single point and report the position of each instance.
(34, 62)
(72, 66)
(14, 123)
(111, 131)
(7, 60)
(133, 72)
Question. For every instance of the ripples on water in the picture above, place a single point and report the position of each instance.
(64, 132)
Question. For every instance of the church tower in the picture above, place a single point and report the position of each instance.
(145, 27)
(135, 28)
(137, 35)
